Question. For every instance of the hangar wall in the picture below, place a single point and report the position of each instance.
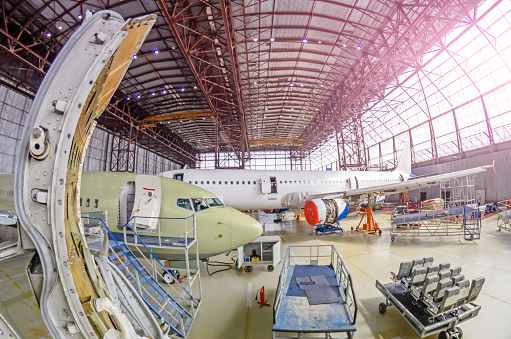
(496, 186)
(14, 108)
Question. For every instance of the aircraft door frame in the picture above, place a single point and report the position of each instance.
(265, 184)
(353, 182)
(268, 184)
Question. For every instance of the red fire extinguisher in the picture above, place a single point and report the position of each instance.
(261, 301)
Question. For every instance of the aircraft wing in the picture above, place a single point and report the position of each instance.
(404, 186)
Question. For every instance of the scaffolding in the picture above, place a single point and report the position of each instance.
(456, 213)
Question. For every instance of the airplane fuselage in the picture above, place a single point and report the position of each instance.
(219, 229)
(259, 190)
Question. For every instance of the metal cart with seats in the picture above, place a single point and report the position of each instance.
(432, 298)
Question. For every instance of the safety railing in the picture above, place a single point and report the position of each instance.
(316, 255)
(182, 306)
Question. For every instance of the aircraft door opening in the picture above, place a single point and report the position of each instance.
(268, 184)
(178, 176)
(273, 182)
(126, 201)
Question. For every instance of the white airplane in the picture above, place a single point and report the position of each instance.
(322, 195)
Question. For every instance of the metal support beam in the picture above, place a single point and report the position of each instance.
(205, 34)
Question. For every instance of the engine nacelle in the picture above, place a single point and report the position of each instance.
(325, 211)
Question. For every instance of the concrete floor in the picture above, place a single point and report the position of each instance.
(229, 309)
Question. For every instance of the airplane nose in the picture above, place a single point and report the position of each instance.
(244, 229)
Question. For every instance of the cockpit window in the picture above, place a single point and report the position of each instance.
(184, 203)
(214, 202)
(200, 204)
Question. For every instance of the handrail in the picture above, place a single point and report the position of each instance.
(344, 277)
(145, 270)
(149, 251)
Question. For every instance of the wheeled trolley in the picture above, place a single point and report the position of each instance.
(416, 315)
(264, 251)
(432, 297)
(315, 296)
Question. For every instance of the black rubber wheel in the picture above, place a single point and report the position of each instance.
(444, 335)
(382, 308)
(379, 232)
(248, 269)
(460, 332)
(352, 228)
(169, 278)
(392, 238)
(270, 268)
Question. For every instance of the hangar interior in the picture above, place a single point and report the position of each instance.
(318, 85)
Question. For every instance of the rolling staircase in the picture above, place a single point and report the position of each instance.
(173, 305)
(472, 224)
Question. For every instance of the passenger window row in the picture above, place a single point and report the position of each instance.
(248, 182)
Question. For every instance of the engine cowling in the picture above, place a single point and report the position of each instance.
(325, 211)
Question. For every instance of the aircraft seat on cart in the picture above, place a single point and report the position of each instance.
(432, 270)
(417, 263)
(430, 284)
(428, 261)
(444, 274)
(405, 268)
(444, 266)
(477, 285)
(464, 286)
(455, 271)
(457, 278)
(417, 277)
(442, 286)
(450, 299)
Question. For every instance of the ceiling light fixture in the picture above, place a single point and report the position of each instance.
(138, 96)
(163, 91)
(344, 45)
(59, 27)
(304, 40)
(79, 16)
(182, 89)
(48, 34)
(127, 98)
(272, 39)
(156, 51)
(291, 84)
(195, 87)
(255, 39)
(319, 41)
(134, 56)
(359, 47)
(152, 93)
(322, 85)
(301, 84)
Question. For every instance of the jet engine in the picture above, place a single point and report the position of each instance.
(325, 211)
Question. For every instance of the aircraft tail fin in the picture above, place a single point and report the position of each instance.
(405, 160)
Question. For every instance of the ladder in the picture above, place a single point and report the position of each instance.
(472, 223)
(165, 306)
